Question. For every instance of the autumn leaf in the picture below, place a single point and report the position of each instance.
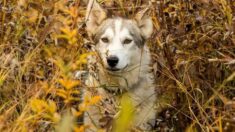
(123, 122)
(68, 83)
(95, 100)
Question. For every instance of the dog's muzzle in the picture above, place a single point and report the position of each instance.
(112, 61)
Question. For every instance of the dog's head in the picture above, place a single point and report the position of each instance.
(119, 41)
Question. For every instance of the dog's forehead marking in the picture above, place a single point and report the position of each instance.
(113, 28)
(116, 30)
(118, 25)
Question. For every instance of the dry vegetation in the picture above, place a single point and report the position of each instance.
(42, 43)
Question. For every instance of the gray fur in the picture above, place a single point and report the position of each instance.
(129, 24)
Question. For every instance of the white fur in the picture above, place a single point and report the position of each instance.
(134, 77)
(115, 47)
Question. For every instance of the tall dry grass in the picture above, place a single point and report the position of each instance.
(43, 43)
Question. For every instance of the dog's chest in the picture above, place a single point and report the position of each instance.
(110, 104)
(108, 107)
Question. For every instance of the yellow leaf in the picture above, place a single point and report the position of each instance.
(95, 99)
(75, 92)
(79, 129)
(123, 122)
(73, 12)
(52, 106)
(82, 107)
(73, 99)
(68, 84)
(65, 30)
(83, 58)
(61, 95)
(38, 105)
(61, 92)
(78, 113)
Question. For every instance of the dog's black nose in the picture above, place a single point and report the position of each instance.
(112, 61)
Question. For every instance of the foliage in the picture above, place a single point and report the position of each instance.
(43, 42)
(123, 122)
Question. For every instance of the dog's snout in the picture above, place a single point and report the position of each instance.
(112, 61)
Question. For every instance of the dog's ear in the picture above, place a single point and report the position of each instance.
(95, 15)
(145, 23)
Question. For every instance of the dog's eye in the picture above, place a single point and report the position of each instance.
(105, 40)
(127, 41)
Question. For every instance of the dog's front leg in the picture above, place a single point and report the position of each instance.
(144, 100)
(146, 117)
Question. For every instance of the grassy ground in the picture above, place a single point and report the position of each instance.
(42, 43)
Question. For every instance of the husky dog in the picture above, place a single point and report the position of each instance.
(123, 68)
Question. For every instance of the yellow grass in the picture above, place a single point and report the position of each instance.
(42, 44)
